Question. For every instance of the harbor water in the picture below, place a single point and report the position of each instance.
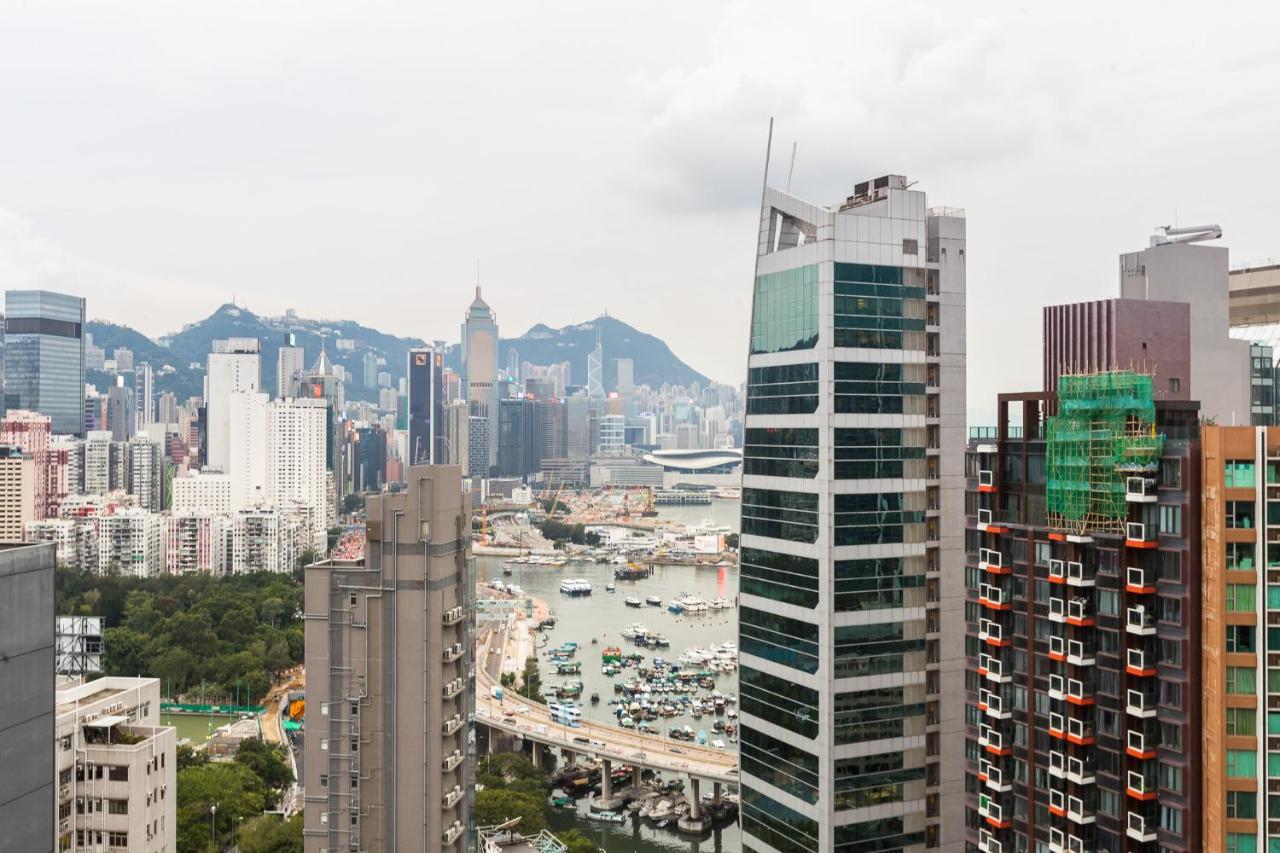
(603, 616)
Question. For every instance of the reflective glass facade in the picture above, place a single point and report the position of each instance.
(44, 356)
(784, 313)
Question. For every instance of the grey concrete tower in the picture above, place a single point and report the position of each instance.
(390, 678)
(852, 575)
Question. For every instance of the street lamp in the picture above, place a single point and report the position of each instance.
(213, 814)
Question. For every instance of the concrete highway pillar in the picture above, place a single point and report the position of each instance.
(537, 754)
(715, 793)
(606, 781)
(635, 777)
(568, 756)
(695, 799)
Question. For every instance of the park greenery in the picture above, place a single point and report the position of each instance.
(208, 639)
(532, 687)
(513, 786)
(559, 532)
(241, 790)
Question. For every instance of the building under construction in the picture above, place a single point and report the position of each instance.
(1082, 557)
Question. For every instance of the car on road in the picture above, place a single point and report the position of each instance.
(522, 709)
(581, 740)
(677, 750)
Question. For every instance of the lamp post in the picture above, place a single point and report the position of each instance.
(213, 814)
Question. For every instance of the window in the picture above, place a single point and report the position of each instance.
(118, 773)
(1171, 819)
(1239, 555)
(1239, 842)
(1239, 475)
(1241, 597)
(1239, 514)
(1171, 777)
(1242, 763)
(1239, 680)
(1242, 638)
(1273, 597)
(1171, 519)
(1273, 723)
(785, 311)
(1241, 721)
(118, 839)
(1108, 602)
(1171, 473)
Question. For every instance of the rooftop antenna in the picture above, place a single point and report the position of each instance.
(792, 169)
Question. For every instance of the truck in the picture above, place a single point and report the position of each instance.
(497, 693)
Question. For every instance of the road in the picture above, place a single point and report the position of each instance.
(532, 721)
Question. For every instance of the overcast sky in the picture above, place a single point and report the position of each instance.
(356, 159)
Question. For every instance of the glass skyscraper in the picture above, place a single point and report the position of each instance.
(44, 356)
(852, 571)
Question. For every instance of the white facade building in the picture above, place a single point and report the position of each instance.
(17, 494)
(297, 437)
(145, 460)
(116, 769)
(203, 491)
(196, 541)
(75, 541)
(247, 449)
(130, 542)
(234, 366)
(266, 539)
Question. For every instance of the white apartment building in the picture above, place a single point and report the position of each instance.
(17, 494)
(74, 540)
(145, 460)
(130, 542)
(247, 449)
(267, 539)
(289, 367)
(196, 541)
(202, 491)
(234, 366)
(104, 464)
(297, 440)
(117, 769)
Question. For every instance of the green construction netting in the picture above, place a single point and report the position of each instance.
(1104, 432)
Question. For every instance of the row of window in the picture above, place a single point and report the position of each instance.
(859, 453)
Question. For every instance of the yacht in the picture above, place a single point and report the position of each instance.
(633, 602)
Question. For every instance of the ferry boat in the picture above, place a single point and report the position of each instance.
(654, 601)
(575, 587)
(634, 630)
(632, 602)
(611, 654)
(569, 667)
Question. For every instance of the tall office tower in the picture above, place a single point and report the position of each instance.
(288, 367)
(1238, 641)
(480, 363)
(17, 494)
(426, 407)
(577, 417)
(167, 408)
(1083, 547)
(44, 356)
(119, 759)
(370, 459)
(513, 365)
(234, 367)
(517, 451)
(27, 701)
(146, 474)
(595, 370)
(296, 449)
(457, 432)
(1172, 271)
(387, 683)
(144, 395)
(851, 682)
(477, 445)
(120, 415)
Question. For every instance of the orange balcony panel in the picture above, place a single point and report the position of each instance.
(986, 602)
(1143, 754)
(1058, 537)
(1000, 824)
(997, 529)
(1145, 589)
(1086, 740)
(1140, 795)
(986, 489)
(1080, 700)
(992, 641)
(1058, 733)
(1061, 658)
(1052, 579)
(998, 570)
(982, 706)
(995, 750)
(1054, 810)
(982, 777)
(982, 671)
(1141, 543)
(1145, 672)
(1083, 622)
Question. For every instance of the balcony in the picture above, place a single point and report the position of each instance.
(1139, 535)
(1140, 662)
(1139, 581)
(1058, 649)
(1062, 842)
(452, 653)
(993, 812)
(1057, 610)
(1057, 764)
(984, 519)
(1057, 840)
(451, 761)
(1080, 691)
(1078, 575)
(1140, 744)
(1140, 828)
(990, 774)
(1140, 621)
(991, 560)
(1082, 810)
(451, 797)
(1081, 653)
(986, 481)
(453, 616)
(1140, 490)
(1057, 802)
(987, 843)
(1080, 771)
(1141, 786)
(994, 741)
(993, 705)
(991, 632)
(994, 597)
(452, 725)
(1080, 612)
(1057, 571)
(1140, 703)
(1057, 686)
(453, 688)
(453, 833)
(992, 668)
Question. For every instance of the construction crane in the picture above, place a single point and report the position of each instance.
(555, 502)
(1166, 234)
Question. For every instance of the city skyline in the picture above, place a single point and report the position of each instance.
(672, 157)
